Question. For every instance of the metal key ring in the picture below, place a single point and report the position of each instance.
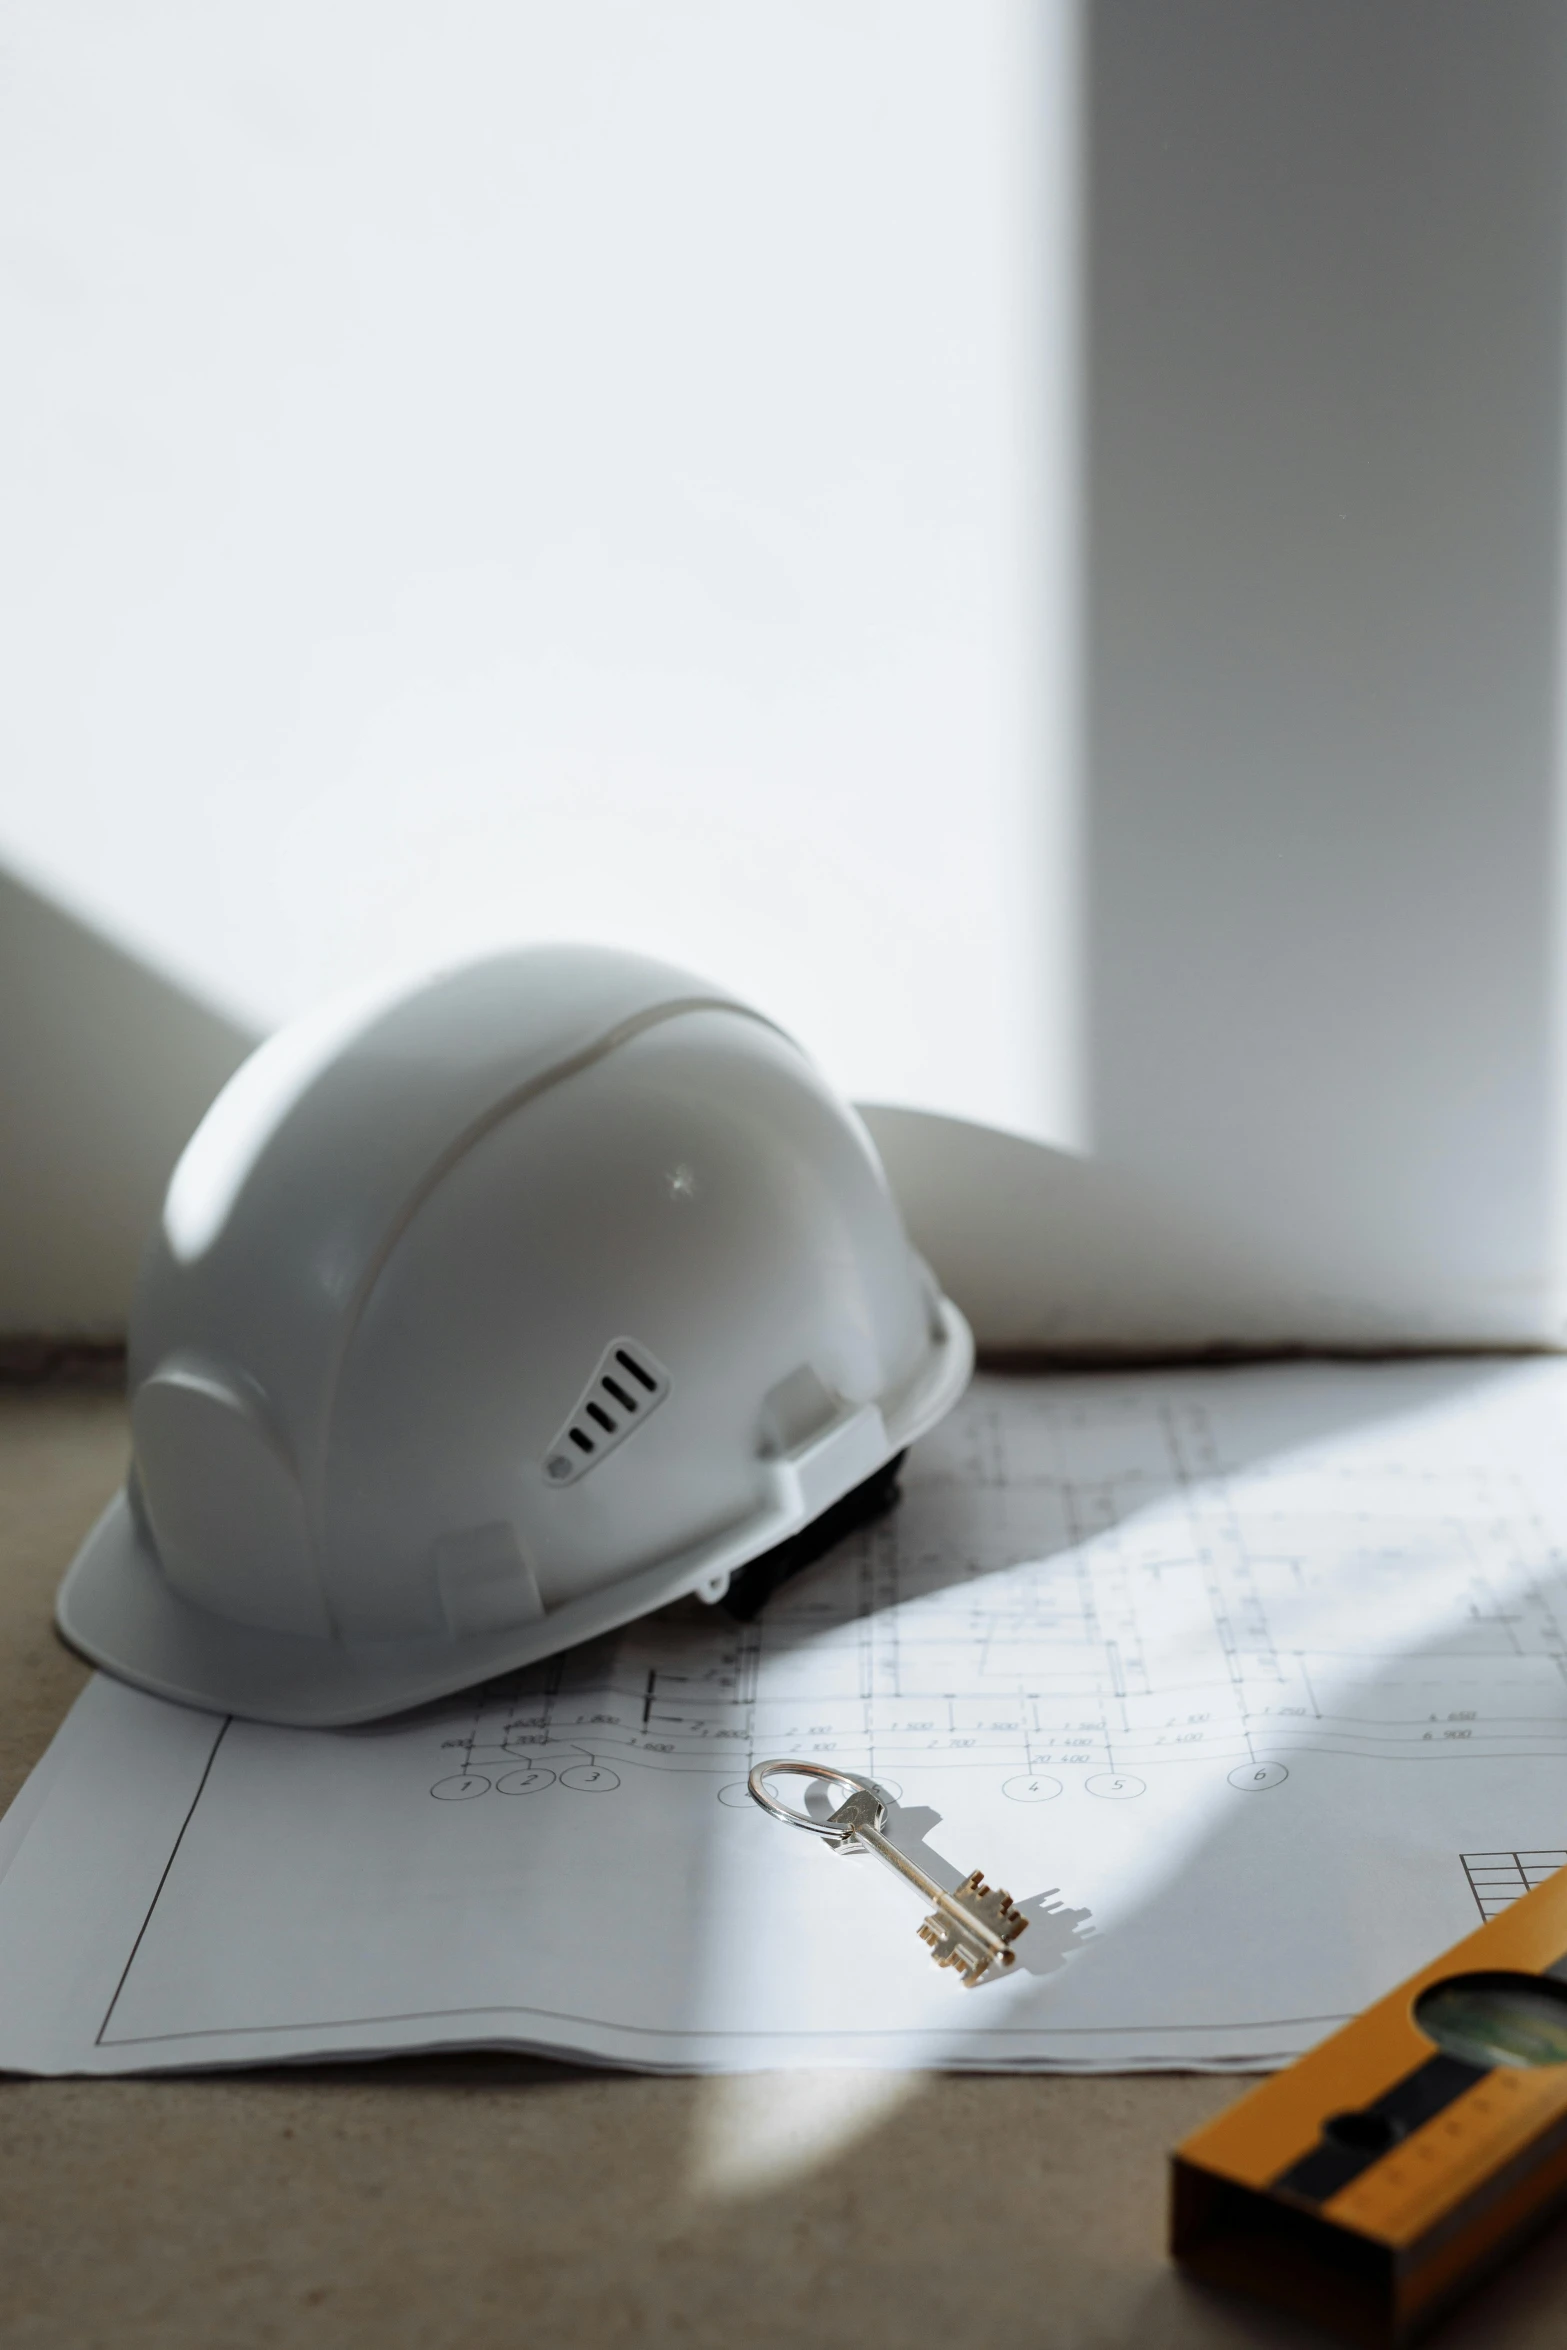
(808, 1770)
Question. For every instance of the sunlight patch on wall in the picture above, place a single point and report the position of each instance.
(588, 473)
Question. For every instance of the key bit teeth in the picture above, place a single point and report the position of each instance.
(948, 1948)
(996, 1909)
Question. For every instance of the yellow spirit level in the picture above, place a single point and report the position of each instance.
(1374, 2181)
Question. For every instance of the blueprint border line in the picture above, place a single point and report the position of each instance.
(99, 2040)
(420, 2015)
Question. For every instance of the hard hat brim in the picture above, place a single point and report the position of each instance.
(119, 1609)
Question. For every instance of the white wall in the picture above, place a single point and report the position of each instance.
(505, 471)
(1325, 345)
(1039, 557)
(104, 1070)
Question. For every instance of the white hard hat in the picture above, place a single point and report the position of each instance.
(483, 1320)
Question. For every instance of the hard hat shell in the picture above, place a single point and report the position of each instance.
(485, 1319)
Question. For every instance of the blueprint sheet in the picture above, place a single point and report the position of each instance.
(1250, 1686)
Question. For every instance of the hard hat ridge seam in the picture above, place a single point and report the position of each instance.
(623, 1032)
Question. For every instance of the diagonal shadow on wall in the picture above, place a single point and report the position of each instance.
(105, 1068)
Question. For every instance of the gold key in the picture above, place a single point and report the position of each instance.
(972, 1929)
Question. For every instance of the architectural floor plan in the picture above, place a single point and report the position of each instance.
(1250, 1686)
(1084, 1582)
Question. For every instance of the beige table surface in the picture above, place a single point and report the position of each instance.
(495, 2201)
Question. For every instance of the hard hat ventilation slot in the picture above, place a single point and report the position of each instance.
(628, 1385)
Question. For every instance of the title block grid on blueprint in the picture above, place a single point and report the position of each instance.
(1497, 1878)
